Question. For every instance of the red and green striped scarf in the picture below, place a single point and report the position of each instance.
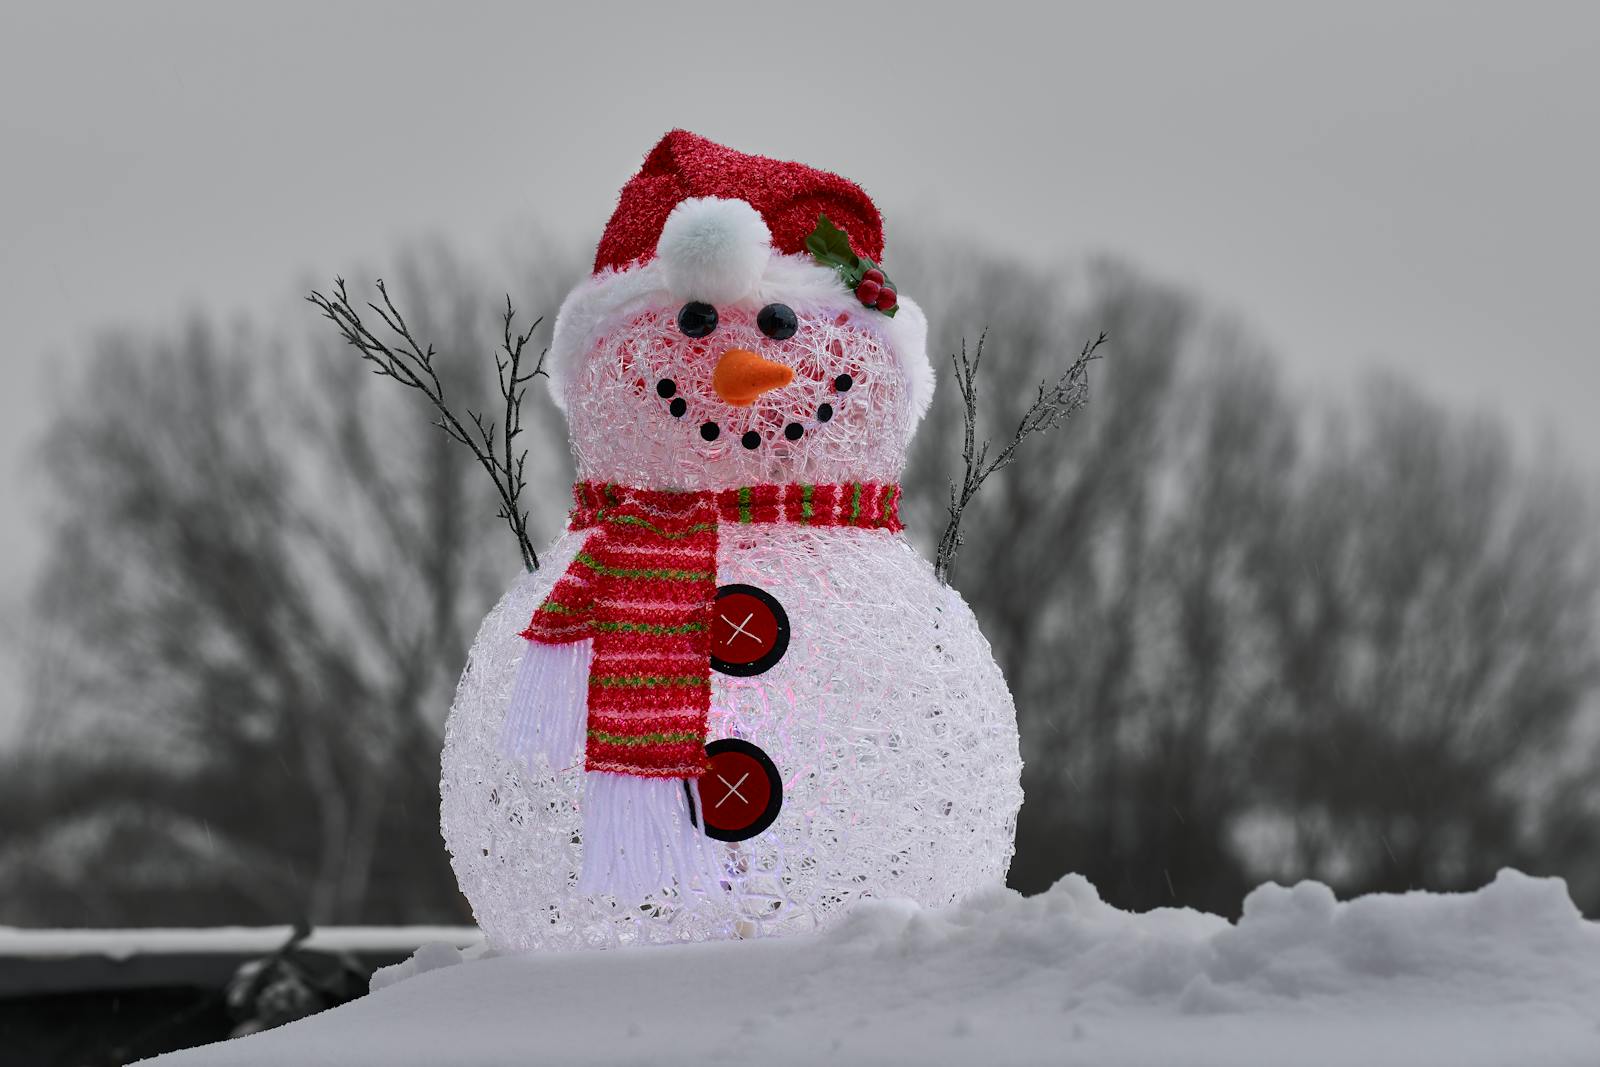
(642, 587)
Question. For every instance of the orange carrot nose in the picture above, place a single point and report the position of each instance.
(741, 376)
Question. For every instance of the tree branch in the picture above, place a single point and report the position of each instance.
(410, 364)
(1056, 403)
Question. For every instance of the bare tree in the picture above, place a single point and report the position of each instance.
(269, 580)
(1435, 652)
(1246, 641)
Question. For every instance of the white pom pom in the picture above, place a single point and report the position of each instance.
(714, 249)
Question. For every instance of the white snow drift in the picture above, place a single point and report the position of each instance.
(1509, 974)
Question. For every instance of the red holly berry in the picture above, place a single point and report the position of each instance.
(887, 298)
(873, 275)
(867, 292)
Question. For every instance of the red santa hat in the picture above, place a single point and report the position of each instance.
(703, 222)
(787, 196)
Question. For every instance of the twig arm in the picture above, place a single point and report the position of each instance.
(411, 364)
(1057, 402)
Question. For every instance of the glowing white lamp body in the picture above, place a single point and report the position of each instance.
(886, 722)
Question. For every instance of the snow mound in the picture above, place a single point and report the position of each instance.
(1507, 974)
(428, 957)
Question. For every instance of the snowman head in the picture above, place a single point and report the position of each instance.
(725, 338)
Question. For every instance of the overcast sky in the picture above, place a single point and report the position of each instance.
(1412, 185)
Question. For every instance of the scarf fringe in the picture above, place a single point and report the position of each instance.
(549, 704)
(638, 839)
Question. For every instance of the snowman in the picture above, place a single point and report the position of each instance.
(735, 700)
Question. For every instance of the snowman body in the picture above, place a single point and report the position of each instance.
(887, 717)
(859, 740)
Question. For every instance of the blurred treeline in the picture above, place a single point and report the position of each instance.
(1252, 634)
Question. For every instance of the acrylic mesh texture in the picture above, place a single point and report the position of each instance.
(624, 431)
(887, 718)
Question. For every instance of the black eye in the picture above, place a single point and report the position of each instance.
(777, 321)
(697, 319)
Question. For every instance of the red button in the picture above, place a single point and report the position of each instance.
(740, 792)
(749, 630)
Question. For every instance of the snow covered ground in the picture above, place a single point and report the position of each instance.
(1508, 975)
(18, 943)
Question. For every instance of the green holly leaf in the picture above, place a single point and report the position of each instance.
(830, 247)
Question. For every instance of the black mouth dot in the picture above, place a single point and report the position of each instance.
(751, 439)
(666, 387)
(824, 413)
(842, 383)
(710, 430)
(793, 431)
(678, 407)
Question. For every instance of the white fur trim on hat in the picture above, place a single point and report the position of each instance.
(713, 249)
(908, 339)
(592, 304)
(807, 287)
